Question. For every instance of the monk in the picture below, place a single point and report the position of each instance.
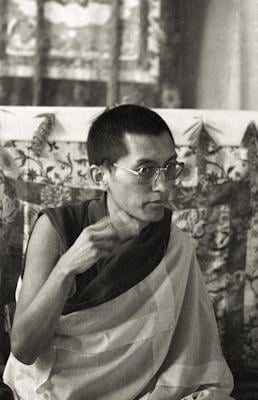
(112, 304)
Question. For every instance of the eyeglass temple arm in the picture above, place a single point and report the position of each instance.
(126, 169)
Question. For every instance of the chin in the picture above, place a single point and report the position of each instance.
(154, 216)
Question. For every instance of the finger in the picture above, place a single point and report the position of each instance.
(108, 233)
(108, 244)
(103, 228)
(104, 251)
(101, 224)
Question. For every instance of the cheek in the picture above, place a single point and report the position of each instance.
(128, 196)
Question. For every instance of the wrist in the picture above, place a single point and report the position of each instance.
(63, 269)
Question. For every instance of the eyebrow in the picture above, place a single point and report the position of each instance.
(147, 160)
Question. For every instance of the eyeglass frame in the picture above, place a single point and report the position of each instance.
(156, 175)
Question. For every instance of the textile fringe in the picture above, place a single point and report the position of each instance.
(3, 8)
(144, 24)
(3, 22)
(170, 67)
(115, 41)
(39, 55)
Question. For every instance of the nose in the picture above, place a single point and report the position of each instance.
(160, 182)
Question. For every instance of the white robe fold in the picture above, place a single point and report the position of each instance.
(156, 341)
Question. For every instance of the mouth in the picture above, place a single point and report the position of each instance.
(157, 203)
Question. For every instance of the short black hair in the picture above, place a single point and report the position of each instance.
(106, 134)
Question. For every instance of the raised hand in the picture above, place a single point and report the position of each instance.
(94, 242)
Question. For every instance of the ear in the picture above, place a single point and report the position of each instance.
(98, 177)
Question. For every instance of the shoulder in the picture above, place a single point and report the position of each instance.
(43, 230)
(43, 246)
(180, 253)
(181, 263)
(181, 239)
(72, 213)
(68, 221)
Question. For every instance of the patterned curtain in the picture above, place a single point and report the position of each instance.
(82, 52)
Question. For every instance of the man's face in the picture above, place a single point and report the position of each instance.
(142, 201)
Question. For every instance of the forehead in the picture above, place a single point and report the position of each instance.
(148, 147)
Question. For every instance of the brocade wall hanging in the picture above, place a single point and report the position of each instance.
(215, 201)
(88, 52)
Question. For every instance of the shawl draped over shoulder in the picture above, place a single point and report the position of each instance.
(140, 325)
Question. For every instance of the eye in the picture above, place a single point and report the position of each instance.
(147, 172)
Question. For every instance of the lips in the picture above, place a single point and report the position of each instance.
(156, 203)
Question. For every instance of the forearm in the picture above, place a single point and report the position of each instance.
(34, 327)
(47, 282)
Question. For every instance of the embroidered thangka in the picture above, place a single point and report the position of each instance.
(216, 201)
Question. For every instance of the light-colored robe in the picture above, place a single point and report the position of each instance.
(156, 341)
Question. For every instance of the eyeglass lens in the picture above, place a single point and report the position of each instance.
(147, 174)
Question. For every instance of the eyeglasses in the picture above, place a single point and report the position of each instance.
(147, 175)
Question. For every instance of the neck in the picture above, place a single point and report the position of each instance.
(125, 224)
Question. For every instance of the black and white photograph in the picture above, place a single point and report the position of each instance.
(128, 200)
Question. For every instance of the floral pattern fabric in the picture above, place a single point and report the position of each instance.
(215, 201)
